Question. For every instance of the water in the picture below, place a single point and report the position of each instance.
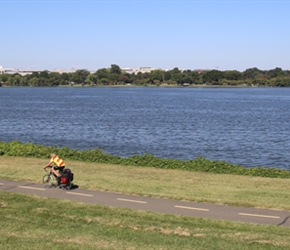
(245, 126)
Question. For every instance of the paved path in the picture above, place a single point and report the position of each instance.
(203, 210)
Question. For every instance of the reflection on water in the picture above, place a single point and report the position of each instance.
(245, 126)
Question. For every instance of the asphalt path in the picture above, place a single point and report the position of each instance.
(159, 205)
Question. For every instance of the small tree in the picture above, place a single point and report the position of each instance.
(115, 69)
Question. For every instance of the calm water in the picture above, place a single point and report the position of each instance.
(245, 126)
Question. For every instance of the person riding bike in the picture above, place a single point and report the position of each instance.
(56, 164)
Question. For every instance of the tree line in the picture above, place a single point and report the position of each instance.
(116, 76)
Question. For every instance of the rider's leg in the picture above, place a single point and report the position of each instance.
(60, 169)
(55, 172)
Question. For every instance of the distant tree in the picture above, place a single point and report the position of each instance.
(33, 82)
(281, 81)
(113, 78)
(277, 72)
(136, 78)
(65, 77)
(104, 81)
(213, 77)
(92, 79)
(115, 69)
(176, 75)
(251, 73)
(124, 78)
(167, 75)
(141, 79)
(80, 76)
(102, 74)
(194, 76)
(44, 82)
(189, 76)
(233, 75)
(156, 75)
(4, 78)
(24, 81)
(287, 73)
(45, 74)
(34, 74)
(14, 80)
(146, 77)
(55, 79)
(114, 75)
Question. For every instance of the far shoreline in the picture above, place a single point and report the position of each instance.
(142, 86)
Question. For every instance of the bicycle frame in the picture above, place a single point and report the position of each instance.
(51, 181)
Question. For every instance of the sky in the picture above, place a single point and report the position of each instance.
(192, 34)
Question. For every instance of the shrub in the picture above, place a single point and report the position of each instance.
(200, 164)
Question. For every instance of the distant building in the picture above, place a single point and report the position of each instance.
(145, 69)
(201, 70)
(137, 70)
(12, 71)
(8, 70)
(128, 70)
(60, 71)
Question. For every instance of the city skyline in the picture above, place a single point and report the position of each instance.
(147, 69)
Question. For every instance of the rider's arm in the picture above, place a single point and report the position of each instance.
(47, 165)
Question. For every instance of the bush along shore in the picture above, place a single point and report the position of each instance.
(199, 164)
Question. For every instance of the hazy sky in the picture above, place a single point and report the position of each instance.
(92, 34)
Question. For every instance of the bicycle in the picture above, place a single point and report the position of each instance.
(51, 181)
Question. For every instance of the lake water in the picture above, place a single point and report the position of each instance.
(245, 126)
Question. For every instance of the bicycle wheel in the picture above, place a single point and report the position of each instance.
(69, 185)
(49, 181)
(66, 185)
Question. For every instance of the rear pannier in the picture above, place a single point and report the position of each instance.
(67, 176)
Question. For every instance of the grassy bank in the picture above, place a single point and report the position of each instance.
(199, 164)
(175, 184)
(29, 222)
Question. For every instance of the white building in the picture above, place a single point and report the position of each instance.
(27, 72)
(137, 70)
(12, 71)
(8, 70)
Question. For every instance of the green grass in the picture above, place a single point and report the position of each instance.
(199, 164)
(29, 222)
(174, 184)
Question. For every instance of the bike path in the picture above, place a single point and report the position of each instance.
(159, 205)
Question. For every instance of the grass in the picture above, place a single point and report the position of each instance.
(174, 184)
(29, 222)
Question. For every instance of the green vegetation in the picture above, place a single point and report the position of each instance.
(199, 164)
(176, 77)
(29, 222)
(235, 190)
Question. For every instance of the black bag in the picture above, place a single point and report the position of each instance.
(67, 175)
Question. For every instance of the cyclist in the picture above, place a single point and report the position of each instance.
(56, 164)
